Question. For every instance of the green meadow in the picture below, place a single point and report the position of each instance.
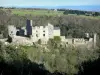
(23, 12)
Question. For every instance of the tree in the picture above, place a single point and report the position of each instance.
(96, 14)
(9, 39)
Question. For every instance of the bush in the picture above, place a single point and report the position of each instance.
(51, 41)
(57, 39)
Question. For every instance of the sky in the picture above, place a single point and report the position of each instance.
(48, 2)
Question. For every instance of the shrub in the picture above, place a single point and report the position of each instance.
(57, 39)
(51, 41)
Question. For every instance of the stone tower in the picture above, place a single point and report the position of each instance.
(95, 40)
(29, 27)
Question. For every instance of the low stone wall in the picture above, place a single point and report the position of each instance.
(79, 41)
(22, 41)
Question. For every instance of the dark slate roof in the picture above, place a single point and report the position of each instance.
(56, 28)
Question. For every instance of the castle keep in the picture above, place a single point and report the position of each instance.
(44, 33)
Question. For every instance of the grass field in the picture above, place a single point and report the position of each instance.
(36, 12)
(24, 12)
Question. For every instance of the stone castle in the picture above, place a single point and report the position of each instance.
(19, 35)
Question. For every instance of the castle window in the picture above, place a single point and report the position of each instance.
(43, 34)
(66, 42)
(43, 30)
(11, 31)
(36, 35)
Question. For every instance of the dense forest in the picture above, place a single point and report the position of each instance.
(55, 60)
(77, 12)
